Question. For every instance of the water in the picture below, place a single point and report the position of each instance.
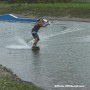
(63, 59)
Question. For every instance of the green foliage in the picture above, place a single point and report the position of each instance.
(35, 1)
(7, 83)
(44, 1)
(50, 9)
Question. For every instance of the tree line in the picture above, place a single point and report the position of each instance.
(36, 1)
(42, 1)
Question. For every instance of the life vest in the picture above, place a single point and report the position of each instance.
(37, 27)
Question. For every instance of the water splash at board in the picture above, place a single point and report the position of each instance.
(22, 44)
(18, 47)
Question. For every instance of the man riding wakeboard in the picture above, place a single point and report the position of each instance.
(40, 23)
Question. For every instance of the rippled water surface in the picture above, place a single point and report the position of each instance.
(63, 59)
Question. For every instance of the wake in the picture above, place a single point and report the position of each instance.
(62, 32)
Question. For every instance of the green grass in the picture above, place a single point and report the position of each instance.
(41, 6)
(57, 9)
(9, 84)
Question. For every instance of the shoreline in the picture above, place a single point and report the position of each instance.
(57, 11)
(10, 81)
(75, 19)
(67, 18)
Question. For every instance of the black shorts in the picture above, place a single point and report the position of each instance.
(35, 35)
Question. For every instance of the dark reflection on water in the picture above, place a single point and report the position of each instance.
(36, 54)
(36, 57)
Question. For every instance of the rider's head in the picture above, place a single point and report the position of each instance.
(40, 20)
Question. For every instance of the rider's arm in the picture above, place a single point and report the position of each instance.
(43, 24)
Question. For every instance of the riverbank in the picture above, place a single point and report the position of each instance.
(66, 18)
(10, 81)
(59, 10)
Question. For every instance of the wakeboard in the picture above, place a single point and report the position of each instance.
(35, 48)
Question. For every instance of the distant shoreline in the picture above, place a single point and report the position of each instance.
(57, 18)
(58, 11)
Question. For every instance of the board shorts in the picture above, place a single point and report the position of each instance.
(35, 35)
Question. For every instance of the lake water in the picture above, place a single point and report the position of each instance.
(63, 62)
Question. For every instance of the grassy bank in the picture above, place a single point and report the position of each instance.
(9, 81)
(55, 10)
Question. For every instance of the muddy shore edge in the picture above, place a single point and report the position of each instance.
(10, 81)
